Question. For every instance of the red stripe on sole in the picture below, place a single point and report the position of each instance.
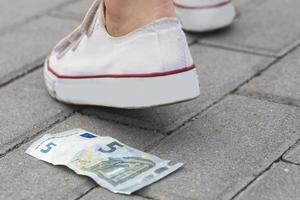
(202, 7)
(149, 75)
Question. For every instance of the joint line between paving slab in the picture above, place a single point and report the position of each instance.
(280, 158)
(247, 49)
(263, 96)
(68, 16)
(254, 50)
(96, 186)
(19, 76)
(8, 28)
(119, 123)
(290, 162)
(253, 180)
(269, 98)
(30, 138)
(224, 47)
(87, 192)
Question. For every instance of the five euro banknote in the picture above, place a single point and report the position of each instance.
(109, 162)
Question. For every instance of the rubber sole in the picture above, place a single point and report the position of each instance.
(204, 19)
(128, 93)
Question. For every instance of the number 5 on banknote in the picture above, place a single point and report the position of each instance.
(48, 147)
(112, 147)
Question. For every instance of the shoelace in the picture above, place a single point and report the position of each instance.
(85, 28)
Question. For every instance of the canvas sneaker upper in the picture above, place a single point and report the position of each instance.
(90, 51)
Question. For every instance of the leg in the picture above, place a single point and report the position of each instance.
(124, 16)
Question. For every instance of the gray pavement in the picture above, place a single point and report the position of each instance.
(239, 141)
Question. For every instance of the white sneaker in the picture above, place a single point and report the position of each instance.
(151, 66)
(204, 15)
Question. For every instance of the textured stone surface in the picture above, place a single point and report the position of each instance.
(35, 179)
(25, 108)
(76, 10)
(226, 148)
(243, 6)
(293, 155)
(28, 45)
(281, 182)
(101, 194)
(262, 29)
(220, 72)
(12, 12)
(280, 83)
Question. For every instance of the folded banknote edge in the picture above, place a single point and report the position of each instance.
(31, 149)
(133, 188)
(137, 187)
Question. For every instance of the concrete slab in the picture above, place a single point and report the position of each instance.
(25, 109)
(261, 30)
(101, 194)
(280, 83)
(226, 148)
(282, 181)
(12, 12)
(75, 11)
(27, 46)
(242, 6)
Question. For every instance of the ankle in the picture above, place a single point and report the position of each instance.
(125, 16)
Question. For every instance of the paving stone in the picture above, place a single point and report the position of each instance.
(12, 12)
(293, 155)
(220, 72)
(263, 29)
(76, 10)
(243, 6)
(26, 108)
(282, 182)
(226, 148)
(101, 194)
(35, 179)
(280, 83)
(28, 45)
